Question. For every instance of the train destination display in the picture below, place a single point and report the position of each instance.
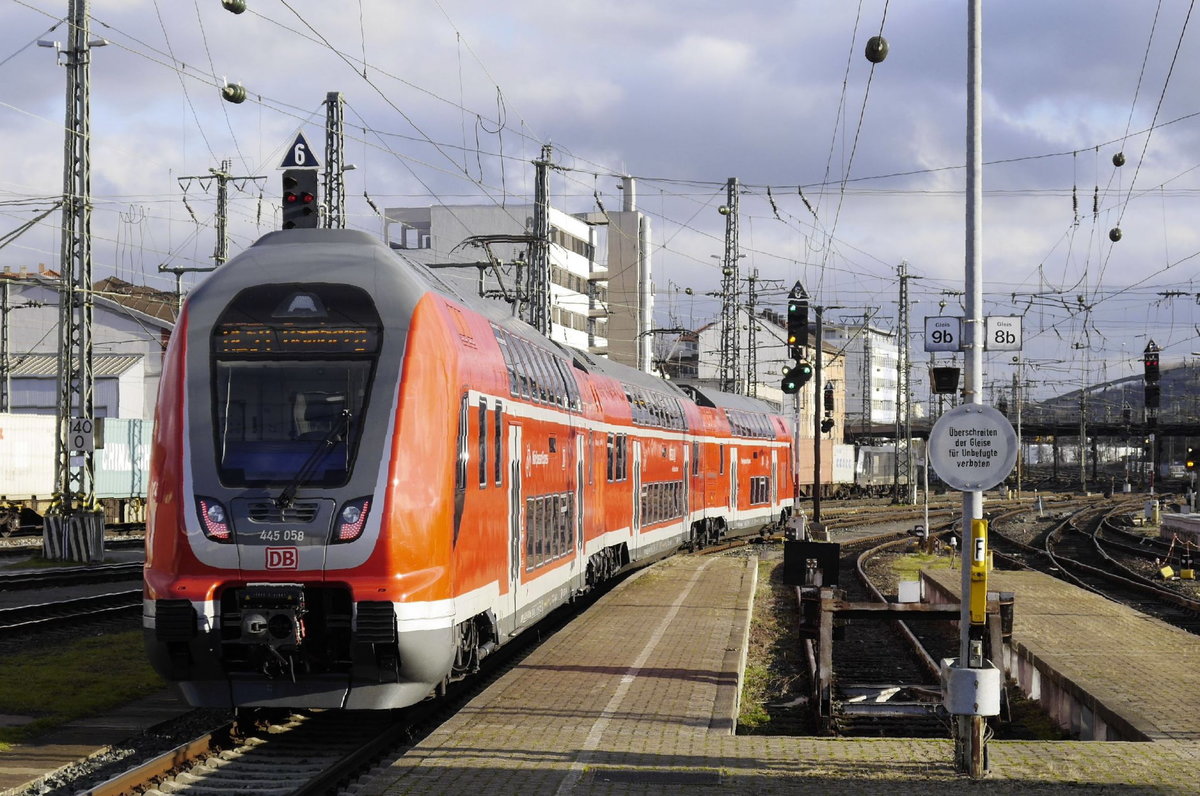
(972, 447)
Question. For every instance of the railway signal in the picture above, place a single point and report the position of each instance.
(797, 322)
(795, 376)
(1190, 461)
(299, 199)
(1150, 362)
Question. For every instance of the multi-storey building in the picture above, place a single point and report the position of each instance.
(601, 295)
(872, 375)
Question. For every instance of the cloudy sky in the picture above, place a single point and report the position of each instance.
(846, 169)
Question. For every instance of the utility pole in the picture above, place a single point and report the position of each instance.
(970, 744)
(752, 335)
(866, 375)
(818, 357)
(5, 361)
(728, 368)
(222, 177)
(1083, 429)
(905, 488)
(334, 209)
(538, 272)
(73, 528)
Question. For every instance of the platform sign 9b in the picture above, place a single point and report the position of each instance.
(943, 333)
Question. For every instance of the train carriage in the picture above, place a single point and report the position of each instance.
(362, 482)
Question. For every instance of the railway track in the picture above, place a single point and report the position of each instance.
(885, 678)
(69, 576)
(29, 619)
(294, 754)
(1069, 549)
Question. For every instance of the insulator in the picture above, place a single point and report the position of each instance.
(1114, 234)
(234, 92)
(1119, 159)
(877, 49)
(236, 6)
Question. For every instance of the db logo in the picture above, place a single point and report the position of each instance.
(282, 558)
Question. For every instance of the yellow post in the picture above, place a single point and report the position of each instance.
(979, 568)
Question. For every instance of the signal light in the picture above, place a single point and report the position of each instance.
(827, 425)
(796, 376)
(1190, 462)
(1150, 362)
(797, 322)
(299, 199)
(1153, 396)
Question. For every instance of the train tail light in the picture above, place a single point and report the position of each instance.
(351, 520)
(214, 520)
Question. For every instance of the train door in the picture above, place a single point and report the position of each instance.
(733, 482)
(637, 486)
(687, 485)
(516, 513)
(774, 478)
(580, 486)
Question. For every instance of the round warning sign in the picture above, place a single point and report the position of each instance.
(972, 447)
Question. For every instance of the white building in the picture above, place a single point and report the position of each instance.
(130, 329)
(872, 373)
(601, 294)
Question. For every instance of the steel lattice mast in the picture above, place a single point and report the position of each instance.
(728, 369)
(335, 185)
(76, 383)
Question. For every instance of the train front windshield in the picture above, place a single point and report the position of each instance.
(292, 369)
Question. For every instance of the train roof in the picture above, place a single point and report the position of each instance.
(707, 396)
(502, 315)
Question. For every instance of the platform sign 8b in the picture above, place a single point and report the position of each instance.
(1003, 333)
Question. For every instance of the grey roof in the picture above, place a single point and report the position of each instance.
(45, 365)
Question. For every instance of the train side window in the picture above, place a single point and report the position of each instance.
(483, 442)
(545, 388)
(518, 354)
(560, 525)
(504, 340)
(622, 448)
(695, 458)
(531, 532)
(498, 442)
(721, 450)
(572, 385)
(531, 370)
(612, 458)
(460, 470)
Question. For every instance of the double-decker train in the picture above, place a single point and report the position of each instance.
(362, 482)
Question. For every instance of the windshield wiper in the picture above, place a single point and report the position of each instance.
(310, 464)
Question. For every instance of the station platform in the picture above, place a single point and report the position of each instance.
(639, 696)
(1102, 669)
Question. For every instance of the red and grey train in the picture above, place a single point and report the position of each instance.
(362, 481)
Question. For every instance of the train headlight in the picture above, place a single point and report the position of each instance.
(351, 520)
(214, 520)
